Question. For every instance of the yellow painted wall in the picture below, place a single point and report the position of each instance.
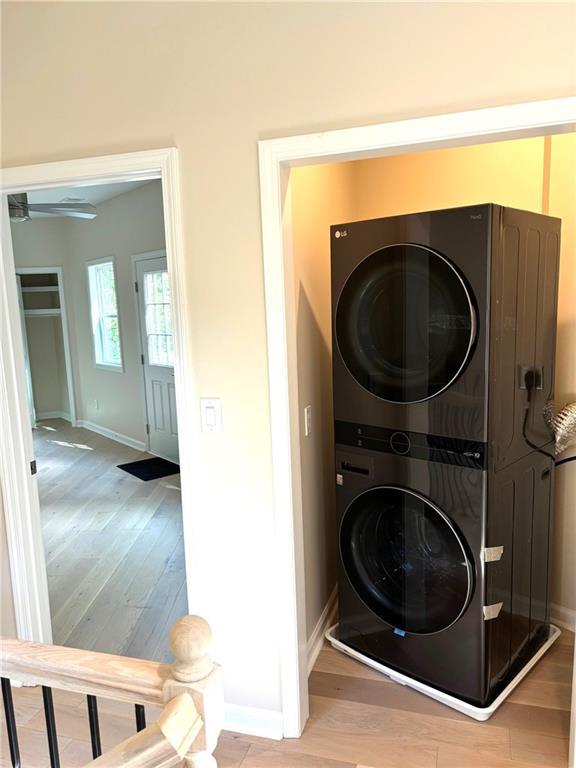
(513, 173)
(509, 173)
(85, 79)
(562, 203)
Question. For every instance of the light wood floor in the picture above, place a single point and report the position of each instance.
(113, 544)
(358, 719)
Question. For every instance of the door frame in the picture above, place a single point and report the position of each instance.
(136, 259)
(59, 271)
(276, 157)
(19, 486)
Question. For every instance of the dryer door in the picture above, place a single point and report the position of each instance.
(405, 323)
(406, 560)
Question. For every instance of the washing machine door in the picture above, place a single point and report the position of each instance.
(406, 560)
(405, 323)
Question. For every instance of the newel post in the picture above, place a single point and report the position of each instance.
(194, 672)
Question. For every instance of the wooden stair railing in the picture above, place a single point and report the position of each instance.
(189, 690)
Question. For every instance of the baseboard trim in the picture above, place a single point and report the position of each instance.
(316, 639)
(53, 415)
(138, 445)
(252, 721)
(564, 617)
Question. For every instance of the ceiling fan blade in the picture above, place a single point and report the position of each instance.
(74, 210)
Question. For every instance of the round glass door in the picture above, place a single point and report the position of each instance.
(405, 323)
(405, 560)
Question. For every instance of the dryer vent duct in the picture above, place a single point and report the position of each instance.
(563, 424)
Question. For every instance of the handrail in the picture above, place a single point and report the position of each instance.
(191, 690)
(165, 744)
(95, 674)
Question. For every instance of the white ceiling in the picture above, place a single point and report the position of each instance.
(95, 195)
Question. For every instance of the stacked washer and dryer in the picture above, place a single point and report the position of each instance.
(444, 327)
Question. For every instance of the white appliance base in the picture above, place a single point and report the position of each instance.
(478, 713)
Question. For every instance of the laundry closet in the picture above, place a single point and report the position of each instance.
(529, 174)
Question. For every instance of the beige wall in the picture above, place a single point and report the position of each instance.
(128, 224)
(320, 196)
(212, 79)
(513, 173)
(47, 365)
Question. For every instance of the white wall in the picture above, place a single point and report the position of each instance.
(126, 225)
(212, 79)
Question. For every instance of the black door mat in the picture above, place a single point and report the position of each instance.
(150, 469)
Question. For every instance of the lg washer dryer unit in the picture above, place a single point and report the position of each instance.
(444, 328)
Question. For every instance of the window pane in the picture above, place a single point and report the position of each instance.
(104, 314)
(158, 319)
(112, 340)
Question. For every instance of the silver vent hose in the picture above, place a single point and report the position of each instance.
(563, 423)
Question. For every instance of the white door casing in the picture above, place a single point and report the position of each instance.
(18, 483)
(154, 316)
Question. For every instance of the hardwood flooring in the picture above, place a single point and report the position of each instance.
(113, 544)
(358, 719)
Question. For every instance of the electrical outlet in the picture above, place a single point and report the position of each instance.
(307, 420)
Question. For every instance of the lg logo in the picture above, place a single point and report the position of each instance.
(341, 233)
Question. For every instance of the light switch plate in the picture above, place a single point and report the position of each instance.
(211, 414)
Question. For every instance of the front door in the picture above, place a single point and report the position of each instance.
(154, 309)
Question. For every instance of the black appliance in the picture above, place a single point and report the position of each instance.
(444, 329)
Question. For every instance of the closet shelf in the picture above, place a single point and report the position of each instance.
(42, 312)
(39, 288)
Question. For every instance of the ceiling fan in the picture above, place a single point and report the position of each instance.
(75, 208)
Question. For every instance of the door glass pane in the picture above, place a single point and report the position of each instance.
(405, 560)
(405, 323)
(158, 319)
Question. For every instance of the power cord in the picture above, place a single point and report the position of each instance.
(530, 381)
(530, 443)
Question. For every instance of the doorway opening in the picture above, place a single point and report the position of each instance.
(99, 351)
(290, 308)
(97, 549)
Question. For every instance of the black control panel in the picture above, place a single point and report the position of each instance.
(415, 445)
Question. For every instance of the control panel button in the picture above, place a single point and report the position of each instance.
(400, 443)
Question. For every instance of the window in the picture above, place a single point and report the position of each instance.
(104, 314)
(159, 336)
